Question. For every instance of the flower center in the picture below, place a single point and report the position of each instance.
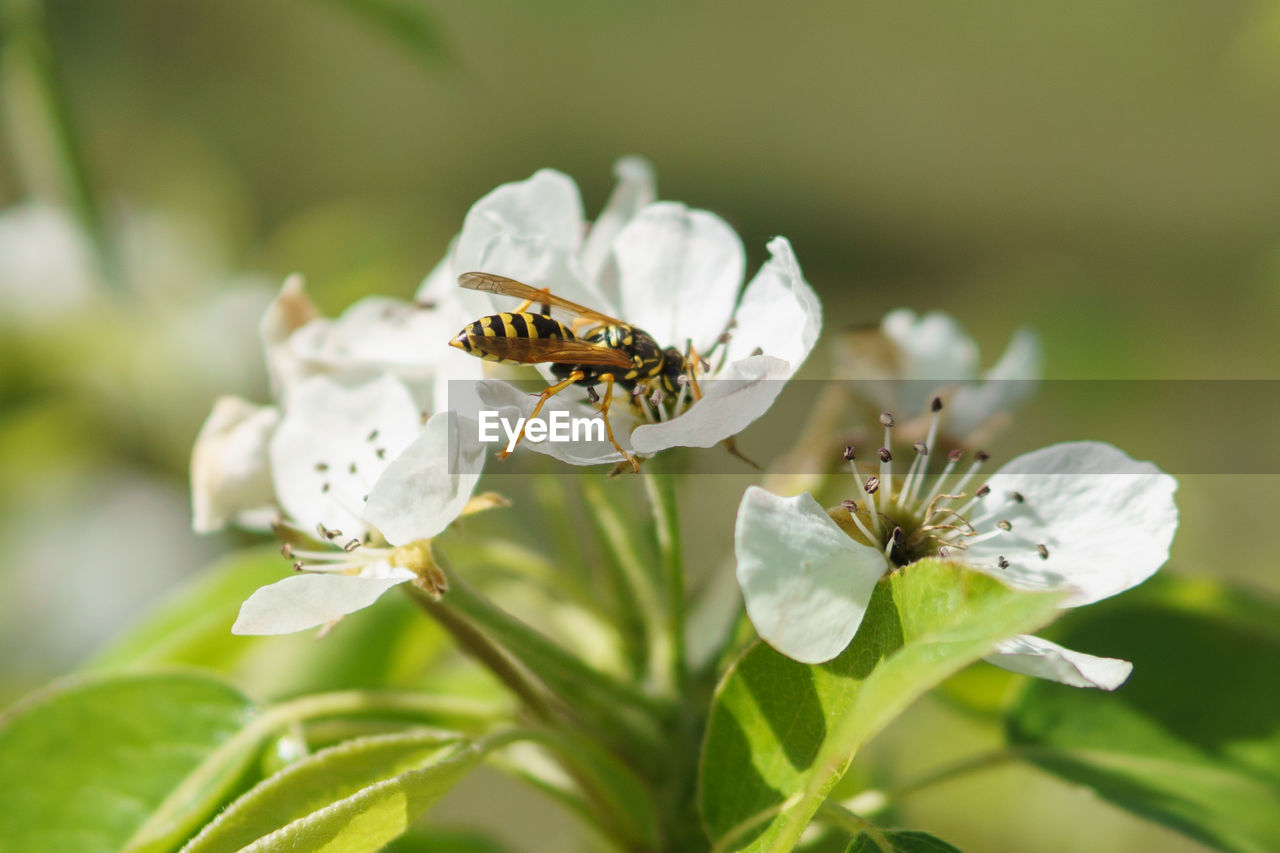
(345, 555)
(910, 522)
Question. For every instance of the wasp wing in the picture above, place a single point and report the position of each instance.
(504, 286)
(548, 350)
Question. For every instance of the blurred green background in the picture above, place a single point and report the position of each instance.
(1105, 172)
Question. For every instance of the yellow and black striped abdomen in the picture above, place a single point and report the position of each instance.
(508, 324)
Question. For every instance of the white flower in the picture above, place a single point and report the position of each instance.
(911, 359)
(669, 270)
(1079, 517)
(230, 475)
(354, 470)
(343, 469)
(374, 336)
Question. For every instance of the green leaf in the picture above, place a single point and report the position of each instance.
(1192, 740)
(123, 763)
(901, 841)
(308, 786)
(781, 733)
(352, 798)
(387, 645)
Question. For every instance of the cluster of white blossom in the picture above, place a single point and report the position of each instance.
(367, 454)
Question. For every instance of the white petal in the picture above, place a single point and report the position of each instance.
(528, 230)
(731, 401)
(779, 312)
(680, 271)
(1003, 387)
(331, 436)
(427, 486)
(1033, 656)
(378, 335)
(230, 476)
(1106, 520)
(311, 600)
(289, 311)
(634, 191)
(511, 404)
(932, 347)
(806, 584)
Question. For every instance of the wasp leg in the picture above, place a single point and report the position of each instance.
(524, 306)
(608, 428)
(542, 399)
(693, 362)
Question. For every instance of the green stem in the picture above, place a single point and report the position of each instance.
(476, 644)
(639, 591)
(661, 490)
(854, 824)
(616, 711)
(41, 130)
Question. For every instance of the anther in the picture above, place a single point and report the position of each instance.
(592, 395)
(372, 435)
(286, 551)
(297, 567)
(872, 484)
(982, 456)
(1017, 497)
(351, 545)
(758, 351)
(351, 469)
(850, 505)
(724, 338)
(954, 456)
(321, 467)
(886, 419)
(982, 492)
(1004, 524)
(1042, 551)
(424, 416)
(1002, 563)
(884, 454)
(943, 553)
(920, 447)
(381, 453)
(322, 530)
(424, 304)
(899, 538)
(655, 399)
(848, 453)
(936, 405)
(324, 488)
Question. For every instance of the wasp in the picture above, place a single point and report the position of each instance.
(591, 349)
